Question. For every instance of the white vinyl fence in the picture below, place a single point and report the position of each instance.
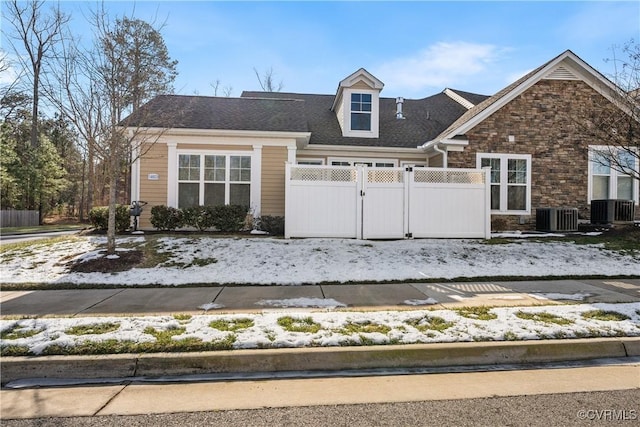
(386, 203)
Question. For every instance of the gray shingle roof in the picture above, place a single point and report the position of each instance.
(424, 119)
(202, 112)
(293, 112)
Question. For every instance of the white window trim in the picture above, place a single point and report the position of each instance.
(613, 177)
(256, 172)
(355, 160)
(375, 114)
(310, 161)
(504, 158)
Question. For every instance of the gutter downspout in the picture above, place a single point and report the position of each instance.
(443, 152)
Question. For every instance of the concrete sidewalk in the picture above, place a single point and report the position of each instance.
(157, 301)
(148, 398)
(402, 296)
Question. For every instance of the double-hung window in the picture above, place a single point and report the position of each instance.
(612, 181)
(510, 182)
(361, 111)
(213, 179)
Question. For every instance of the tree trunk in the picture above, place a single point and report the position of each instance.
(90, 177)
(82, 189)
(111, 228)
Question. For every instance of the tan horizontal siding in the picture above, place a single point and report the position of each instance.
(153, 192)
(273, 161)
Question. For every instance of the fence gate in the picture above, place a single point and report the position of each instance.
(386, 203)
(384, 197)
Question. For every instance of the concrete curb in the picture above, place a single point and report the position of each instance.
(318, 359)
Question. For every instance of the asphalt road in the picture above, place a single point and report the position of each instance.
(571, 409)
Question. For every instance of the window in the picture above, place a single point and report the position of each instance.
(211, 180)
(606, 182)
(510, 182)
(310, 162)
(377, 163)
(361, 111)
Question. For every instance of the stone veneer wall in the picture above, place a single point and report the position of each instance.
(544, 120)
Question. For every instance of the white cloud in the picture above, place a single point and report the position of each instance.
(441, 65)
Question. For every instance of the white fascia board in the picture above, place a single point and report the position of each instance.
(300, 137)
(318, 147)
(459, 99)
(599, 83)
(427, 146)
(363, 75)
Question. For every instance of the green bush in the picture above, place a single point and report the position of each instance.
(273, 225)
(200, 217)
(166, 218)
(229, 218)
(99, 217)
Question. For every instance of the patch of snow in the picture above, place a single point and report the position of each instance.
(309, 261)
(302, 302)
(521, 235)
(428, 301)
(556, 296)
(266, 332)
(114, 256)
(210, 306)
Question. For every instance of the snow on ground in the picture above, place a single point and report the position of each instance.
(263, 330)
(293, 262)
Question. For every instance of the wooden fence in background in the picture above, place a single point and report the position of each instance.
(19, 218)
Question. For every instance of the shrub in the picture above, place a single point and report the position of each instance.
(200, 217)
(166, 218)
(273, 225)
(99, 217)
(229, 217)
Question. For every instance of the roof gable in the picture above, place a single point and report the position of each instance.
(361, 76)
(361, 79)
(566, 66)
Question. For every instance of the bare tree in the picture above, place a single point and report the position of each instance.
(37, 32)
(225, 91)
(615, 124)
(97, 93)
(267, 81)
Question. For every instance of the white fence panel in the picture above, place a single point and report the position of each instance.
(452, 203)
(321, 202)
(384, 202)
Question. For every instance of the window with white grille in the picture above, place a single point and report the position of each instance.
(609, 181)
(510, 182)
(213, 179)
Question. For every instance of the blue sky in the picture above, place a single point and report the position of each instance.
(416, 48)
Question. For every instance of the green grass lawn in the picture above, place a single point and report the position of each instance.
(42, 228)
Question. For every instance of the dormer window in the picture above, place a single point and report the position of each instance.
(361, 111)
(357, 105)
